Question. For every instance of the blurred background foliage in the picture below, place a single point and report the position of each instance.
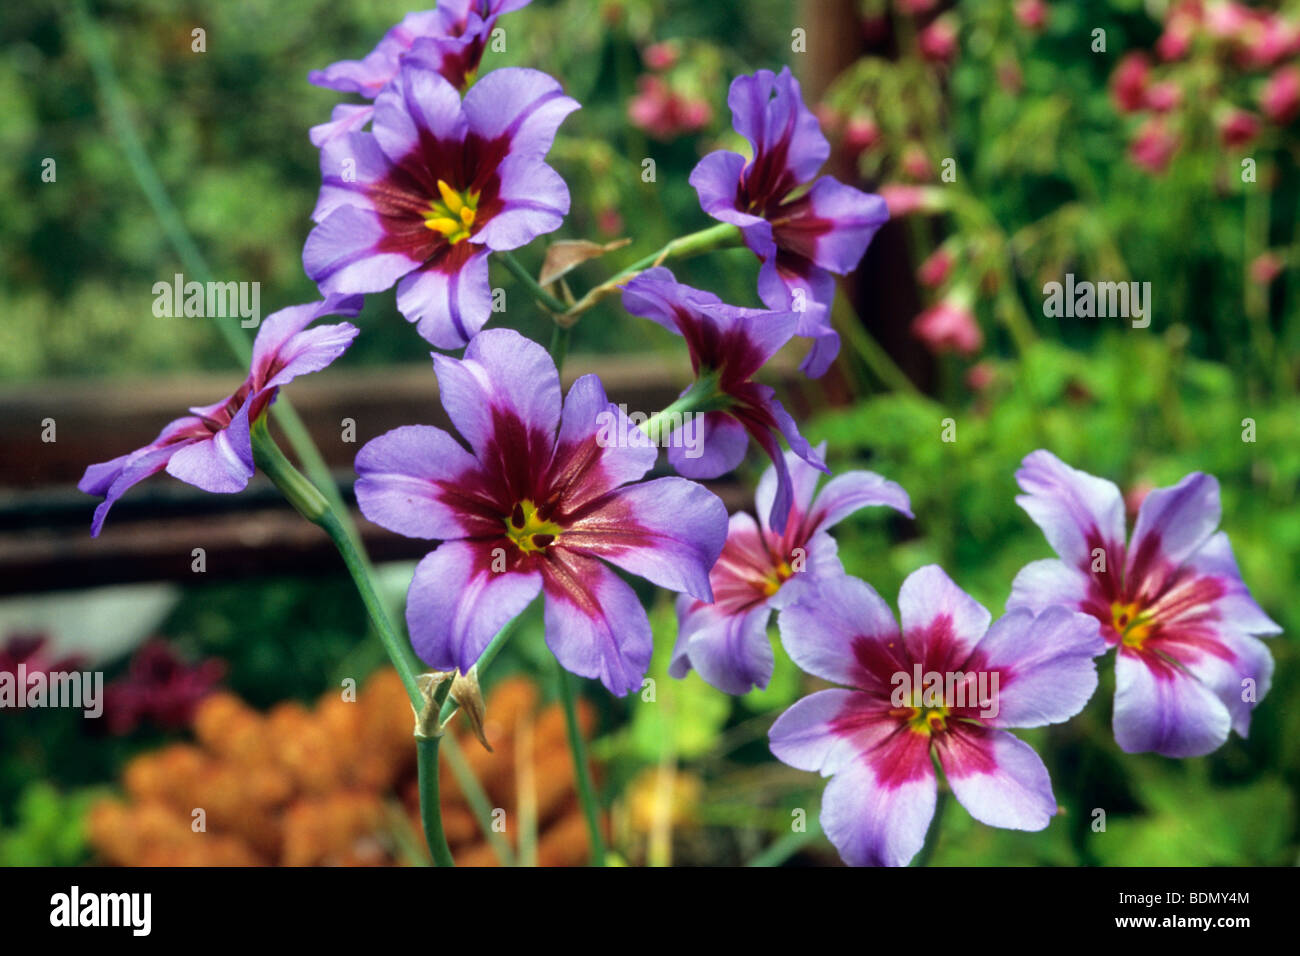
(1060, 168)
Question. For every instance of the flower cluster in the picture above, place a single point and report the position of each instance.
(528, 497)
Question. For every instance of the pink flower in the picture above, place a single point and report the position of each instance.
(903, 200)
(938, 41)
(1153, 146)
(1266, 267)
(1164, 97)
(1032, 14)
(661, 56)
(1280, 99)
(1129, 82)
(949, 327)
(1237, 128)
(860, 134)
(936, 268)
(664, 113)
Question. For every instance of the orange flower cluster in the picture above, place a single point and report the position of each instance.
(336, 785)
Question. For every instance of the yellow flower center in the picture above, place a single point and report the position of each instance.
(1133, 625)
(452, 216)
(772, 583)
(529, 532)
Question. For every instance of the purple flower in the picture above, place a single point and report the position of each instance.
(727, 345)
(533, 507)
(210, 448)
(761, 569)
(800, 239)
(943, 687)
(435, 187)
(449, 40)
(1188, 667)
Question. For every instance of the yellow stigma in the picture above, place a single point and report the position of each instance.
(453, 215)
(922, 719)
(1134, 627)
(528, 531)
(772, 583)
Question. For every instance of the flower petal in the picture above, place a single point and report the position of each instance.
(707, 446)
(598, 448)
(998, 778)
(669, 531)
(844, 494)
(222, 464)
(876, 809)
(349, 166)
(343, 254)
(416, 102)
(404, 479)
(716, 179)
(1076, 511)
(844, 632)
(768, 110)
(731, 651)
(595, 626)
(1163, 709)
(941, 622)
(1172, 524)
(1040, 584)
(526, 107)
(1044, 663)
(535, 201)
(457, 603)
(502, 376)
(449, 299)
(810, 734)
(837, 226)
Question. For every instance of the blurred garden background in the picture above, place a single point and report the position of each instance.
(1017, 142)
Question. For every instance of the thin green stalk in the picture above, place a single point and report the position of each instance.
(705, 240)
(702, 396)
(517, 269)
(313, 506)
(478, 801)
(846, 322)
(426, 753)
(581, 768)
(788, 845)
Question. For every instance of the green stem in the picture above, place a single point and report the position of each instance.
(313, 506)
(932, 835)
(478, 801)
(517, 269)
(581, 768)
(787, 846)
(846, 322)
(702, 396)
(426, 753)
(705, 240)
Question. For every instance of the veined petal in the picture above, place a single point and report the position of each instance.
(1163, 709)
(535, 201)
(846, 633)
(998, 778)
(1040, 584)
(1076, 511)
(836, 224)
(132, 469)
(844, 494)
(716, 179)
(449, 298)
(350, 164)
(669, 531)
(346, 118)
(343, 254)
(279, 328)
(404, 477)
(598, 448)
(811, 735)
(768, 110)
(502, 376)
(1045, 667)
(803, 485)
(941, 622)
(708, 446)
(416, 100)
(457, 603)
(595, 626)
(1172, 524)
(522, 106)
(222, 464)
(1235, 609)
(731, 651)
(877, 808)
